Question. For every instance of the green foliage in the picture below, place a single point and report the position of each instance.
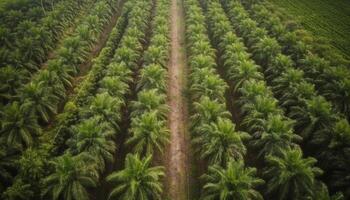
(148, 133)
(70, 179)
(290, 175)
(137, 180)
(18, 126)
(95, 138)
(234, 181)
(219, 142)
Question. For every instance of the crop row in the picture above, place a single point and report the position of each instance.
(331, 81)
(213, 133)
(322, 128)
(148, 133)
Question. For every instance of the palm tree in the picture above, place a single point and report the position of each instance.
(202, 60)
(277, 136)
(207, 110)
(127, 55)
(232, 182)
(62, 71)
(114, 86)
(137, 180)
(157, 55)
(153, 77)
(109, 108)
(219, 142)
(148, 100)
(148, 133)
(257, 111)
(278, 64)
(251, 89)
(70, 179)
(40, 99)
(212, 86)
(18, 126)
(95, 138)
(51, 80)
(265, 50)
(290, 175)
(120, 70)
(246, 71)
(314, 119)
(10, 80)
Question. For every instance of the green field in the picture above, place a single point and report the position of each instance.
(327, 18)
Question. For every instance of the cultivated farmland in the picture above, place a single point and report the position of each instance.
(173, 100)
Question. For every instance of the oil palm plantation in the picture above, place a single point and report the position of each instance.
(148, 133)
(290, 175)
(70, 179)
(234, 181)
(138, 180)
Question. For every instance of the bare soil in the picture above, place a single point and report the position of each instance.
(177, 161)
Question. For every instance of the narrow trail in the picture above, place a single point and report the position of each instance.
(178, 153)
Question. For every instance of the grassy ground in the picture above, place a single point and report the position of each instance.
(326, 18)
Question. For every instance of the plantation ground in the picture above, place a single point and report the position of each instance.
(326, 18)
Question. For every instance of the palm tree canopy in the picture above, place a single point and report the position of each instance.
(70, 179)
(149, 133)
(291, 175)
(232, 182)
(219, 142)
(137, 180)
(18, 125)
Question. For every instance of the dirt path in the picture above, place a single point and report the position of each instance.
(177, 161)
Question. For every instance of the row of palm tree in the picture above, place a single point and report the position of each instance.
(39, 99)
(331, 80)
(214, 135)
(271, 132)
(30, 42)
(315, 119)
(148, 130)
(92, 139)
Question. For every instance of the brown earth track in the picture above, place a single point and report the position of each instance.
(177, 161)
